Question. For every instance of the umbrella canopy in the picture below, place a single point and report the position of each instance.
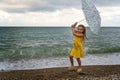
(91, 15)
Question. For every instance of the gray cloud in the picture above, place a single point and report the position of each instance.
(48, 5)
(37, 5)
(107, 2)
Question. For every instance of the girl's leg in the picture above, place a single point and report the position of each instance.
(79, 65)
(79, 62)
(71, 60)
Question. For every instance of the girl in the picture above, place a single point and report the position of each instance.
(77, 50)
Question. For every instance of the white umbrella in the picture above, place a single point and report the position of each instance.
(91, 15)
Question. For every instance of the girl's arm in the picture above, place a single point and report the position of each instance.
(74, 31)
(78, 34)
(73, 27)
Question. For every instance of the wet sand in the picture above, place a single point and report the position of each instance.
(91, 72)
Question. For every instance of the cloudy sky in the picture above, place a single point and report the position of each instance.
(54, 12)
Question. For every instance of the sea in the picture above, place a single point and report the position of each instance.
(46, 47)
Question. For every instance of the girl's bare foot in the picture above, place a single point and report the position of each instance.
(71, 68)
(79, 69)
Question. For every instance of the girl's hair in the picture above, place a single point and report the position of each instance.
(84, 31)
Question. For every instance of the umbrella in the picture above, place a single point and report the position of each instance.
(92, 16)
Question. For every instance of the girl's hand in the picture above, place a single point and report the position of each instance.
(73, 25)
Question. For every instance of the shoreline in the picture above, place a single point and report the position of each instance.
(91, 72)
(51, 62)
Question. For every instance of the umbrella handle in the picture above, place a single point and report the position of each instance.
(81, 20)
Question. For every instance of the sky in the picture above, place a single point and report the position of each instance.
(55, 12)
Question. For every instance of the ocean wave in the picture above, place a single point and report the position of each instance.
(103, 50)
(44, 50)
(30, 43)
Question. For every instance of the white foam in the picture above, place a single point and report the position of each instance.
(89, 59)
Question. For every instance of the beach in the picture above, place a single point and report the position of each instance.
(94, 67)
(91, 72)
